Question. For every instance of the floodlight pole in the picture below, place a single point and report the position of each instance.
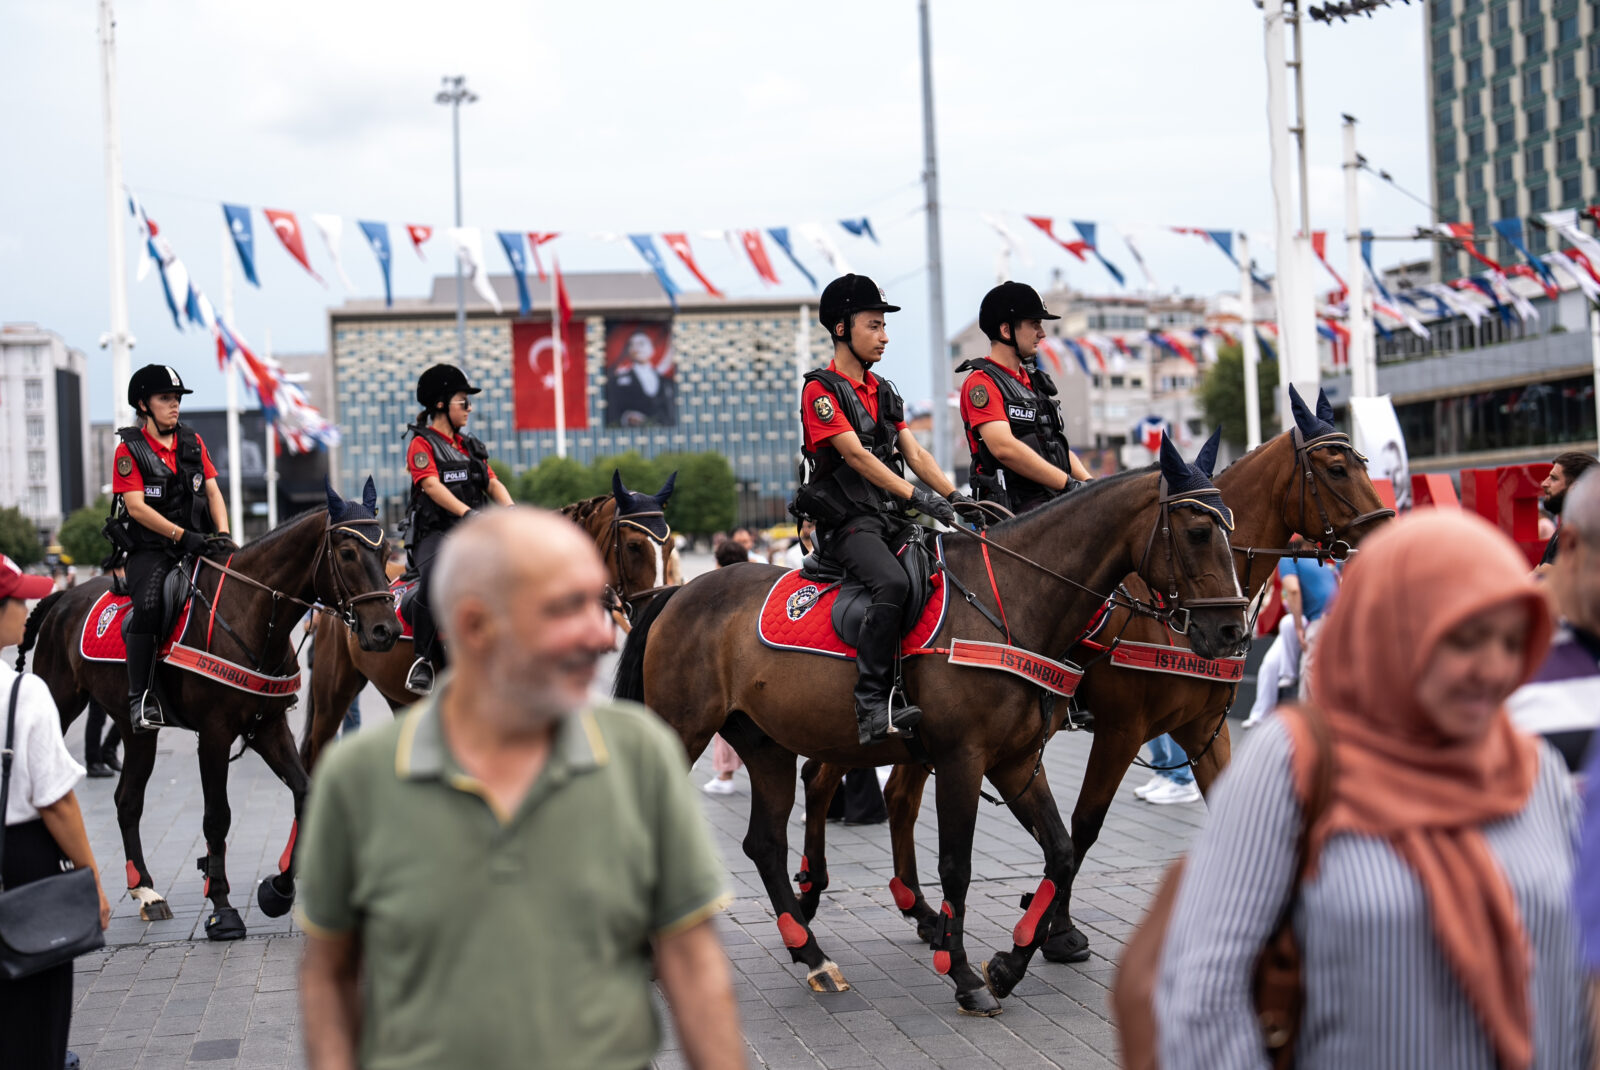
(455, 93)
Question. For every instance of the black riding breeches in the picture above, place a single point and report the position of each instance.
(863, 550)
(146, 572)
(424, 634)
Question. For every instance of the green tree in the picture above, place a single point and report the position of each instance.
(19, 539)
(80, 536)
(638, 473)
(555, 482)
(1222, 393)
(503, 471)
(706, 497)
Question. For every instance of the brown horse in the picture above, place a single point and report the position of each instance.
(695, 658)
(629, 530)
(244, 615)
(1308, 481)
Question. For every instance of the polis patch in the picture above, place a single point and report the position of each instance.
(823, 407)
(124, 465)
(801, 602)
(979, 395)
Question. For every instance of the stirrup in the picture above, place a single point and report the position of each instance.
(419, 680)
(146, 714)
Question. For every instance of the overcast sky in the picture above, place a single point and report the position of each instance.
(655, 117)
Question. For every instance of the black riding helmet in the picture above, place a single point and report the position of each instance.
(1010, 302)
(154, 379)
(847, 295)
(442, 382)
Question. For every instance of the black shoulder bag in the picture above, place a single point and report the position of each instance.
(45, 922)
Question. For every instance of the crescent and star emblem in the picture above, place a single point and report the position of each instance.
(823, 407)
(979, 395)
(124, 466)
(284, 226)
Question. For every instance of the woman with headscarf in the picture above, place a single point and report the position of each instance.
(1434, 920)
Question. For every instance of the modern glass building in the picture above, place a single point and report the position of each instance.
(1514, 87)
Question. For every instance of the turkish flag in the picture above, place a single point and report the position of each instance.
(287, 227)
(419, 234)
(533, 377)
(758, 257)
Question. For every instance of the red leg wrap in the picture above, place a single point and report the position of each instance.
(288, 851)
(133, 875)
(805, 872)
(941, 961)
(794, 934)
(1028, 927)
(904, 897)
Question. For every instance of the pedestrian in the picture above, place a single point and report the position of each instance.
(1434, 918)
(731, 552)
(1173, 779)
(100, 743)
(44, 833)
(489, 880)
(1565, 470)
(724, 759)
(1562, 701)
(1278, 677)
(805, 541)
(1309, 588)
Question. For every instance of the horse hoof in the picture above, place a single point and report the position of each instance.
(827, 978)
(155, 910)
(1070, 946)
(225, 924)
(273, 903)
(978, 1002)
(998, 978)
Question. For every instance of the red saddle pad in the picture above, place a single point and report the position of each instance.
(401, 588)
(798, 615)
(102, 629)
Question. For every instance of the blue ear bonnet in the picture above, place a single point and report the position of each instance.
(1190, 484)
(631, 503)
(344, 511)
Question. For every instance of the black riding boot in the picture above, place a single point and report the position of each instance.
(144, 706)
(876, 652)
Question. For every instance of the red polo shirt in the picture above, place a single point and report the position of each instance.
(126, 477)
(980, 401)
(420, 462)
(822, 421)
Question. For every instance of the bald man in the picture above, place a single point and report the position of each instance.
(486, 881)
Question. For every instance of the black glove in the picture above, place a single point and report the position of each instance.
(931, 505)
(961, 498)
(192, 542)
(221, 544)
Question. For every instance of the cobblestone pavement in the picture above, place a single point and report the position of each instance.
(160, 995)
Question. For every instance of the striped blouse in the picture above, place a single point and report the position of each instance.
(1379, 993)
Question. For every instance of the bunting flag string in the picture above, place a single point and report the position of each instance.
(1046, 224)
(1464, 233)
(516, 251)
(1581, 277)
(1319, 246)
(537, 238)
(1086, 231)
(242, 230)
(861, 228)
(287, 227)
(418, 235)
(753, 247)
(814, 234)
(652, 257)
(1511, 230)
(780, 235)
(331, 227)
(679, 243)
(377, 235)
(468, 242)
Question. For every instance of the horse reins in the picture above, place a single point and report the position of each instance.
(622, 599)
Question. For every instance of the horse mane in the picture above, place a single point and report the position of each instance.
(582, 512)
(1251, 453)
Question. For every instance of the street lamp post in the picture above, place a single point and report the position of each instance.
(455, 93)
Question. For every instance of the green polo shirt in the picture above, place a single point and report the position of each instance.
(518, 940)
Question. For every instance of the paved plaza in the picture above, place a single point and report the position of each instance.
(161, 995)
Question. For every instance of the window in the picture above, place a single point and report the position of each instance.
(1594, 56)
(1505, 133)
(1533, 160)
(1567, 149)
(1444, 81)
(1508, 207)
(1475, 143)
(1530, 8)
(1502, 95)
(1533, 44)
(1505, 171)
(1480, 216)
(1447, 151)
(1446, 187)
(1474, 180)
(1536, 120)
(1116, 380)
(38, 502)
(36, 466)
(35, 430)
(1500, 19)
(1571, 189)
(1471, 107)
(1539, 199)
(33, 393)
(1474, 72)
(1567, 28)
(1502, 58)
(1469, 32)
(1441, 10)
(1569, 108)
(1532, 83)
(1567, 69)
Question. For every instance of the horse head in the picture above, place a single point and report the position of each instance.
(1332, 498)
(353, 580)
(643, 542)
(1189, 560)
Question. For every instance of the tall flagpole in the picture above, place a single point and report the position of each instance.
(1251, 349)
(559, 358)
(1363, 363)
(936, 339)
(118, 338)
(272, 441)
(231, 374)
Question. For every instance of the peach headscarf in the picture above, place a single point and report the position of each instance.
(1401, 780)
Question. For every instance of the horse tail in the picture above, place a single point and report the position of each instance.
(630, 669)
(30, 632)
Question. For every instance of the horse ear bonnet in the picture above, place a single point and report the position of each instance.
(369, 496)
(1190, 485)
(666, 488)
(343, 511)
(1324, 407)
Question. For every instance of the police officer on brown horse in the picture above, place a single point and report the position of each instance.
(166, 505)
(856, 447)
(1020, 457)
(450, 477)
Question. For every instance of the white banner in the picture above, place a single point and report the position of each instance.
(1377, 434)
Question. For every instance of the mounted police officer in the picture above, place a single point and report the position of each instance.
(1020, 457)
(450, 477)
(166, 505)
(856, 446)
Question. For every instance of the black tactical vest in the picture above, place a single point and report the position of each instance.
(1035, 422)
(465, 475)
(178, 496)
(832, 492)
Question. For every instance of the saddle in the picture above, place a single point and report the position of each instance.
(854, 598)
(176, 591)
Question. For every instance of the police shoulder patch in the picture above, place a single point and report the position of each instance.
(979, 395)
(419, 458)
(124, 465)
(823, 407)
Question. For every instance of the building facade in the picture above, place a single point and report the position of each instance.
(734, 366)
(44, 406)
(1514, 87)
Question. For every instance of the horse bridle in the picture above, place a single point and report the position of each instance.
(1179, 612)
(622, 599)
(344, 606)
(1335, 546)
